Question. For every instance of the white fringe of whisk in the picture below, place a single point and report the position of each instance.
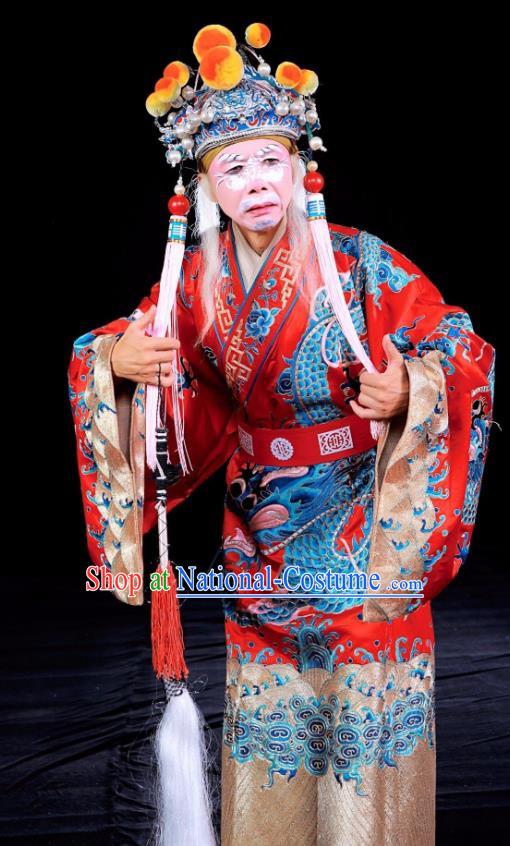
(184, 805)
(330, 274)
(165, 323)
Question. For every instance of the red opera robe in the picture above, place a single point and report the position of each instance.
(329, 729)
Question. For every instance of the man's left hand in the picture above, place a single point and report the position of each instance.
(384, 395)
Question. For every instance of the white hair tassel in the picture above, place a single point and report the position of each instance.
(316, 212)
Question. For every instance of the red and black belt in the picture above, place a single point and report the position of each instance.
(305, 445)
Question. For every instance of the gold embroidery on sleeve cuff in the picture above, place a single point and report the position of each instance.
(401, 498)
(120, 487)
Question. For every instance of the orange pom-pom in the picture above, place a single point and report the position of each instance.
(155, 106)
(211, 36)
(309, 82)
(288, 75)
(178, 71)
(257, 35)
(167, 89)
(221, 68)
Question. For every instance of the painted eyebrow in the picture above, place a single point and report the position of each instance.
(231, 157)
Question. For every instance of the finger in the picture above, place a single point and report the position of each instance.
(379, 394)
(146, 318)
(165, 381)
(366, 413)
(391, 350)
(162, 357)
(153, 371)
(152, 343)
(374, 380)
(369, 402)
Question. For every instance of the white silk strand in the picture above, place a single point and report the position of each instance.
(329, 272)
(165, 323)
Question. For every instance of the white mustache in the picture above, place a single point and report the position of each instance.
(268, 198)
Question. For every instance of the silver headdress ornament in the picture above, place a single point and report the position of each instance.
(256, 106)
(236, 101)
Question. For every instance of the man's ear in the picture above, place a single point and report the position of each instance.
(205, 185)
(294, 163)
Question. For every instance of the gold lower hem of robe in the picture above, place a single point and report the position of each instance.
(388, 800)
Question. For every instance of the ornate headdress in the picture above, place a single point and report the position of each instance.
(239, 99)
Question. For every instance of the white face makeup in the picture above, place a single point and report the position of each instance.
(252, 182)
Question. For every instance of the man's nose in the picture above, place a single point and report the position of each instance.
(257, 182)
(257, 187)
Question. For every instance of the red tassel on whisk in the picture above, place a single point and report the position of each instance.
(167, 638)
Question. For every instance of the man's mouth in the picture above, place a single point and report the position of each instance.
(260, 207)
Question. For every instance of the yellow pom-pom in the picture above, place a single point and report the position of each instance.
(288, 75)
(257, 35)
(221, 68)
(155, 106)
(167, 89)
(309, 82)
(178, 71)
(211, 36)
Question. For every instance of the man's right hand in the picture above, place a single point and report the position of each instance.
(137, 356)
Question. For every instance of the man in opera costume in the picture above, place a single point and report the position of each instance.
(353, 407)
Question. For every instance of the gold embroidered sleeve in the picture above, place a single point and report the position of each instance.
(402, 503)
(116, 439)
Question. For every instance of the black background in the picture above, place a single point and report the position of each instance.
(411, 120)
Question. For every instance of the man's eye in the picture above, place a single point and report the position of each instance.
(237, 168)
